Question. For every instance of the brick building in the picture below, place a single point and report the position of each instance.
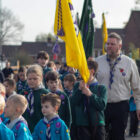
(130, 34)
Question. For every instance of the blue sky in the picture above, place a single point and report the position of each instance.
(38, 15)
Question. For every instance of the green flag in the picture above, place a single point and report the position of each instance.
(87, 27)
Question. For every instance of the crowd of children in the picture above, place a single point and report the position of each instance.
(50, 101)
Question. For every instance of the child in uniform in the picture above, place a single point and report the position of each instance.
(22, 82)
(52, 65)
(133, 129)
(10, 86)
(52, 81)
(5, 133)
(3, 93)
(15, 107)
(36, 89)
(69, 81)
(51, 127)
(43, 59)
(88, 103)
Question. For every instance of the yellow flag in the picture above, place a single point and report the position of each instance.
(66, 28)
(104, 33)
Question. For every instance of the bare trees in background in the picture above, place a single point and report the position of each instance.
(10, 27)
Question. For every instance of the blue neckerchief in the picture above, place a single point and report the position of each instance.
(18, 124)
(15, 122)
(30, 99)
(56, 92)
(48, 125)
(69, 92)
(112, 68)
(93, 84)
(22, 85)
(50, 121)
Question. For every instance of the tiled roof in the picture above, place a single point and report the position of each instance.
(130, 34)
(9, 50)
(132, 30)
(32, 48)
(98, 36)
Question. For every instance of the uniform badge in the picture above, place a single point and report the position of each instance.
(25, 92)
(122, 72)
(62, 97)
(58, 125)
(67, 130)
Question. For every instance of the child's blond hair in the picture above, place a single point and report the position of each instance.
(19, 101)
(2, 103)
(35, 69)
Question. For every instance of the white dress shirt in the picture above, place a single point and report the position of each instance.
(126, 77)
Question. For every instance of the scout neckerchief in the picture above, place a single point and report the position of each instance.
(11, 124)
(16, 124)
(93, 83)
(58, 92)
(112, 68)
(30, 98)
(48, 125)
(68, 92)
(22, 85)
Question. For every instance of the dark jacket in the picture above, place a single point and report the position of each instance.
(88, 111)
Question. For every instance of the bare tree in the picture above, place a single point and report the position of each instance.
(137, 1)
(11, 28)
(43, 37)
(137, 5)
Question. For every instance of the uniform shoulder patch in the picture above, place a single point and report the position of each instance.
(58, 125)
